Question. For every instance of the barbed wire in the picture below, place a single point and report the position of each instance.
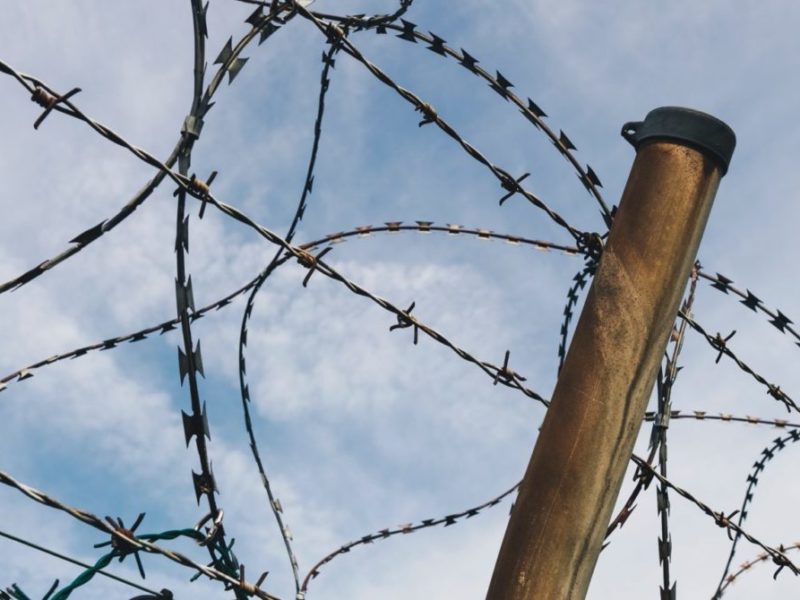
(195, 424)
(500, 85)
(766, 455)
(747, 567)
(201, 191)
(720, 345)
(267, 18)
(720, 519)
(509, 184)
(328, 62)
(133, 541)
(363, 232)
(666, 378)
(191, 130)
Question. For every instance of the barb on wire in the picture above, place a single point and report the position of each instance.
(505, 373)
(363, 232)
(528, 108)
(406, 320)
(120, 546)
(405, 529)
(15, 592)
(192, 127)
(328, 271)
(720, 345)
(334, 32)
(139, 542)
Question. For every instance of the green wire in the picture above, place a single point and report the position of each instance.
(106, 559)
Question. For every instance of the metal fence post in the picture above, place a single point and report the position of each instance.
(559, 521)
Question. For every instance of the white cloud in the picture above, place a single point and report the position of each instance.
(358, 428)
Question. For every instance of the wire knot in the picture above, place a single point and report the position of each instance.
(721, 520)
(505, 373)
(720, 343)
(782, 561)
(47, 100)
(511, 185)
(429, 114)
(199, 189)
(310, 262)
(121, 540)
(405, 320)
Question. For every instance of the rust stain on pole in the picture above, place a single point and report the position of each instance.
(559, 521)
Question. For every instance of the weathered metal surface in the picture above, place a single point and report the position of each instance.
(575, 474)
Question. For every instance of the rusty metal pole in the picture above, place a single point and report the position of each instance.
(559, 521)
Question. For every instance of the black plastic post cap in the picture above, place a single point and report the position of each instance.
(684, 125)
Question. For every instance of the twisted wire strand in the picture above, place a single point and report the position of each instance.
(777, 556)
(720, 345)
(120, 551)
(499, 84)
(509, 183)
(85, 238)
(135, 542)
(25, 373)
(498, 374)
(573, 295)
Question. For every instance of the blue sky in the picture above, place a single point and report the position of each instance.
(360, 429)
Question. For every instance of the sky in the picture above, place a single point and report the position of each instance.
(359, 428)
